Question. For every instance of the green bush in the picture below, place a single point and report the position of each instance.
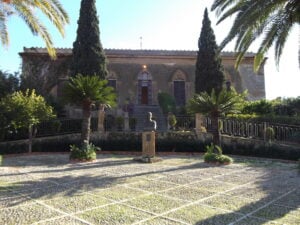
(170, 142)
(166, 102)
(224, 159)
(213, 149)
(210, 157)
(265, 118)
(86, 152)
(172, 120)
(273, 151)
(214, 155)
(259, 107)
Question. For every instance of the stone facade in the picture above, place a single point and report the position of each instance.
(139, 75)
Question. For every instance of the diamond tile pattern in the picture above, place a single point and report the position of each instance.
(47, 189)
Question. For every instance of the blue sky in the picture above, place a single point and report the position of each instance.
(163, 24)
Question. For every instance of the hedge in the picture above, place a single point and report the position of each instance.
(123, 142)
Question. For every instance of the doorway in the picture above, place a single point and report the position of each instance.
(144, 88)
(144, 99)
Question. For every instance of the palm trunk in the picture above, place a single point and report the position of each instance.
(215, 130)
(86, 123)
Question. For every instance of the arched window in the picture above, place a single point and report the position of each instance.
(179, 90)
(112, 80)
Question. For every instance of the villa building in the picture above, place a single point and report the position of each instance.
(139, 75)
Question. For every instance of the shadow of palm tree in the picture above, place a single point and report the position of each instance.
(72, 179)
(274, 196)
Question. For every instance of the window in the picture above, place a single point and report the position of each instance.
(112, 83)
(179, 92)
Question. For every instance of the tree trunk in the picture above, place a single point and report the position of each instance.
(215, 130)
(30, 136)
(86, 122)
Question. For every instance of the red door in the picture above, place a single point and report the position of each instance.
(144, 99)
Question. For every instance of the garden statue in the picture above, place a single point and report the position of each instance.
(150, 124)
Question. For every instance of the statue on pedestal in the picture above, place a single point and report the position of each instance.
(150, 123)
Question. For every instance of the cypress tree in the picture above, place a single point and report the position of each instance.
(88, 54)
(209, 69)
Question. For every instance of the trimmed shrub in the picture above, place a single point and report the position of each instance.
(166, 102)
(267, 151)
(224, 159)
(214, 155)
(86, 152)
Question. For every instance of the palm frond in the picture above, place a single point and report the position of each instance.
(255, 18)
(27, 10)
(80, 88)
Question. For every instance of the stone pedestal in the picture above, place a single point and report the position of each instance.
(200, 123)
(148, 151)
(148, 143)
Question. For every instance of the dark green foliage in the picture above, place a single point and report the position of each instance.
(214, 155)
(265, 118)
(172, 120)
(132, 123)
(267, 151)
(8, 83)
(57, 105)
(295, 137)
(132, 142)
(88, 54)
(166, 102)
(50, 144)
(288, 107)
(209, 70)
(210, 157)
(260, 107)
(85, 152)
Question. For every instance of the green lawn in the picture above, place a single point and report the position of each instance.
(47, 189)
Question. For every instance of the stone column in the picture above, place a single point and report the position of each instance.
(126, 122)
(101, 116)
(199, 122)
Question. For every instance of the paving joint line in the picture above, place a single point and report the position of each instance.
(264, 206)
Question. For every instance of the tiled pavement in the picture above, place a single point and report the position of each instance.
(47, 189)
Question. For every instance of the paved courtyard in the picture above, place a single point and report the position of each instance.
(47, 189)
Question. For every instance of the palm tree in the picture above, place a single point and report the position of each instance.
(86, 91)
(215, 105)
(28, 10)
(272, 20)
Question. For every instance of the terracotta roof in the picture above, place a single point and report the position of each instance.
(132, 52)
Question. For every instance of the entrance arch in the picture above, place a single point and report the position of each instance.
(144, 89)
